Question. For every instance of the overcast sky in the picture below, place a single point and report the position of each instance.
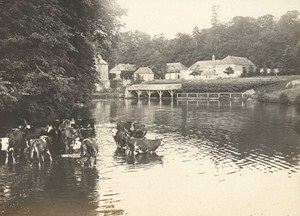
(173, 16)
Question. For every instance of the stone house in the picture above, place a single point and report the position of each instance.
(174, 70)
(101, 67)
(229, 67)
(144, 73)
(122, 71)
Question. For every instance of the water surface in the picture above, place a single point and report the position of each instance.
(216, 160)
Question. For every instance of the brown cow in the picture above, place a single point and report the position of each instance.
(41, 147)
(143, 145)
(89, 151)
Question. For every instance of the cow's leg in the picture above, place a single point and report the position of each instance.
(31, 154)
(38, 155)
(6, 158)
(50, 157)
(95, 159)
(13, 155)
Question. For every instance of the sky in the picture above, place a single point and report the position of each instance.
(181, 16)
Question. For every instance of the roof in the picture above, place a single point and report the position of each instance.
(236, 60)
(144, 70)
(175, 67)
(204, 64)
(99, 60)
(124, 67)
(228, 60)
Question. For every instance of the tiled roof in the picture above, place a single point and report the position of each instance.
(124, 67)
(175, 67)
(204, 64)
(102, 62)
(236, 60)
(228, 60)
(144, 70)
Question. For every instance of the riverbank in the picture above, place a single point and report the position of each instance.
(277, 89)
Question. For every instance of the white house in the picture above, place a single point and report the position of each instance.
(126, 70)
(174, 70)
(144, 73)
(230, 66)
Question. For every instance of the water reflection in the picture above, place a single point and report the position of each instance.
(122, 157)
(243, 159)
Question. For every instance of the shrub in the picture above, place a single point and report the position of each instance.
(297, 100)
(284, 98)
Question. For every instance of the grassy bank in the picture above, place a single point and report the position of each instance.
(267, 89)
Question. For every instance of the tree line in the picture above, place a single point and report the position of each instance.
(47, 51)
(266, 41)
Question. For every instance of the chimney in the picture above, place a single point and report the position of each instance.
(213, 57)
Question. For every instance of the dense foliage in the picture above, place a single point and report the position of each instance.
(266, 41)
(234, 85)
(47, 51)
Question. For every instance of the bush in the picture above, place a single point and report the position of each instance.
(284, 98)
(297, 100)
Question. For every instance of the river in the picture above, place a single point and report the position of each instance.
(215, 160)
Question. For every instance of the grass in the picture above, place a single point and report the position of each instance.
(268, 89)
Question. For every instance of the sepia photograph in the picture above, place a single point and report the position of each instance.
(149, 107)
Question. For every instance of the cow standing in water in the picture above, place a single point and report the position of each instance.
(88, 151)
(4, 146)
(128, 129)
(40, 146)
(17, 143)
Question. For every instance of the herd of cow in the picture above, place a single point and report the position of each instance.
(130, 135)
(61, 137)
(65, 137)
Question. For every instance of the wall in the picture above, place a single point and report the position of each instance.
(172, 75)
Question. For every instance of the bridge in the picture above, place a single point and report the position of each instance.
(150, 89)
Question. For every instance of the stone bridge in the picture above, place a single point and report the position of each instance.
(149, 89)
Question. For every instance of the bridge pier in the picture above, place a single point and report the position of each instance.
(171, 93)
(149, 92)
(160, 94)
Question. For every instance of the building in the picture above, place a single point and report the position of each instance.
(102, 69)
(144, 73)
(230, 66)
(174, 70)
(122, 71)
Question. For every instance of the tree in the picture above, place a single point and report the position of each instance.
(250, 71)
(47, 50)
(244, 72)
(287, 61)
(215, 16)
(196, 73)
(229, 70)
(265, 71)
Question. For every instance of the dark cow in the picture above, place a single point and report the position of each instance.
(56, 141)
(120, 138)
(41, 147)
(143, 145)
(88, 151)
(89, 123)
(86, 132)
(34, 132)
(17, 143)
(139, 130)
(127, 126)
